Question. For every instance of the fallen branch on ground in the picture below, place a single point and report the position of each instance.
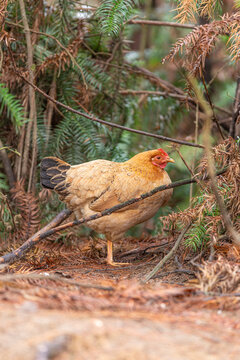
(50, 229)
(14, 255)
(168, 256)
(141, 251)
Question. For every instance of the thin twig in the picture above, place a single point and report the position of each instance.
(31, 133)
(154, 93)
(140, 251)
(184, 161)
(192, 261)
(168, 256)
(161, 23)
(211, 105)
(236, 111)
(166, 94)
(194, 153)
(165, 85)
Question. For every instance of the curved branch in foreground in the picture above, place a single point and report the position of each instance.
(14, 255)
(108, 123)
(52, 227)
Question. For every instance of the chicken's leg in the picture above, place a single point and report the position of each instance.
(110, 255)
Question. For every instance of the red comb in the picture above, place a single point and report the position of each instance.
(162, 152)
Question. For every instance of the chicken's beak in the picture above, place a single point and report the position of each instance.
(170, 160)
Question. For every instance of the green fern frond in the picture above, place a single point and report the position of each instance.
(113, 13)
(62, 18)
(93, 74)
(12, 105)
(77, 140)
(3, 182)
(197, 236)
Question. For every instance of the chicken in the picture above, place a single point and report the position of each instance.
(97, 185)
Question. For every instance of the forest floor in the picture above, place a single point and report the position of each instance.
(66, 303)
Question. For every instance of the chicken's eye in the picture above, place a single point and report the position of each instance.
(158, 157)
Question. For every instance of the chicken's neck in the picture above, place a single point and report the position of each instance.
(144, 168)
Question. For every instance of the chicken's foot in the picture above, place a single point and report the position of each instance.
(110, 255)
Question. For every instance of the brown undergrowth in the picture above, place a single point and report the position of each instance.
(204, 213)
(199, 43)
(186, 281)
(24, 217)
(179, 286)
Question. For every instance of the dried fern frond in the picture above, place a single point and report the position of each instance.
(27, 205)
(234, 40)
(205, 212)
(207, 8)
(3, 9)
(219, 277)
(61, 59)
(198, 44)
(187, 10)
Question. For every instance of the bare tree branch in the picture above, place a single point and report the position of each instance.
(14, 255)
(32, 124)
(166, 94)
(167, 86)
(93, 118)
(234, 128)
(161, 23)
(215, 119)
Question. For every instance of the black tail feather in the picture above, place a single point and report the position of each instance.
(53, 174)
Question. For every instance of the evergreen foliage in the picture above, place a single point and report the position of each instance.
(113, 14)
(86, 57)
(12, 105)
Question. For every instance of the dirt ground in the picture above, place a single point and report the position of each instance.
(68, 304)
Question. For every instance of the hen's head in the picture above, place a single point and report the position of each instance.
(149, 160)
(161, 158)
